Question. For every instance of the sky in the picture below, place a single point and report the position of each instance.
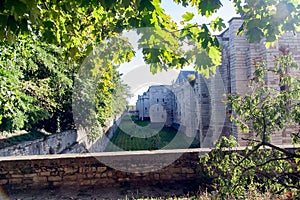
(227, 11)
(137, 74)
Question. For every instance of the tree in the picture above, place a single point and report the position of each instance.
(265, 111)
(120, 95)
(268, 19)
(34, 80)
(78, 26)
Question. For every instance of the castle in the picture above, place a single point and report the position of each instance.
(195, 104)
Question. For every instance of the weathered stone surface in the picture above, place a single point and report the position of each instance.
(84, 172)
(101, 169)
(54, 178)
(70, 141)
(15, 181)
(195, 104)
(51, 145)
(185, 168)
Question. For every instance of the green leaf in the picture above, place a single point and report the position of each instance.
(254, 35)
(208, 7)
(217, 24)
(215, 55)
(146, 4)
(188, 16)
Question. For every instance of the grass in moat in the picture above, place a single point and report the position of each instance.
(142, 135)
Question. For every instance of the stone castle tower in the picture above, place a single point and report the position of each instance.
(237, 67)
(196, 104)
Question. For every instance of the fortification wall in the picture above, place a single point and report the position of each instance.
(71, 141)
(52, 144)
(238, 57)
(99, 169)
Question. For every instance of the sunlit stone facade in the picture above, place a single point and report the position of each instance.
(195, 105)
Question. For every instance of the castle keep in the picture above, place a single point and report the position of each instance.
(195, 105)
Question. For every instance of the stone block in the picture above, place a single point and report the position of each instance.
(91, 175)
(39, 179)
(15, 181)
(92, 169)
(27, 181)
(101, 169)
(109, 174)
(17, 175)
(70, 170)
(174, 170)
(3, 172)
(81, 176)
(84, 182)
(69, 177)
(44, 173)
(29, 175)
(101, 175)
(56, 183)
(188, 171)
(54, 178)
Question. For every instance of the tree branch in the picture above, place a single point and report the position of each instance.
(268, 176)
(267, 162)
(286, 152)
(272, 146)
(247, 155)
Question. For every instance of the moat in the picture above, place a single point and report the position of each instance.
(133, 134)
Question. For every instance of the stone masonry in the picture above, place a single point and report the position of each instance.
(198, 108)
(103, 169)
(71, 141)
(238, 57)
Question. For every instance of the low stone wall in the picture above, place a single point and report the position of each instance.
(104, 169)
(70, 141)
(52, 144)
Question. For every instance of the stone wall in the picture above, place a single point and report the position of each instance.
(238, 57)
(161, 100)
(143, 106)
(99, 169)
(186, 108)
(52, 144)
(198, 107)
(85, 145)
(70, 141)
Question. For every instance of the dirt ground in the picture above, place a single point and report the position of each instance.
(177, 190)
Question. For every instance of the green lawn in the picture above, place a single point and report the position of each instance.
(137, 135)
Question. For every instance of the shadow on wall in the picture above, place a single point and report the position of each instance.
(53, 144)
(21, 136)
(66, 142)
